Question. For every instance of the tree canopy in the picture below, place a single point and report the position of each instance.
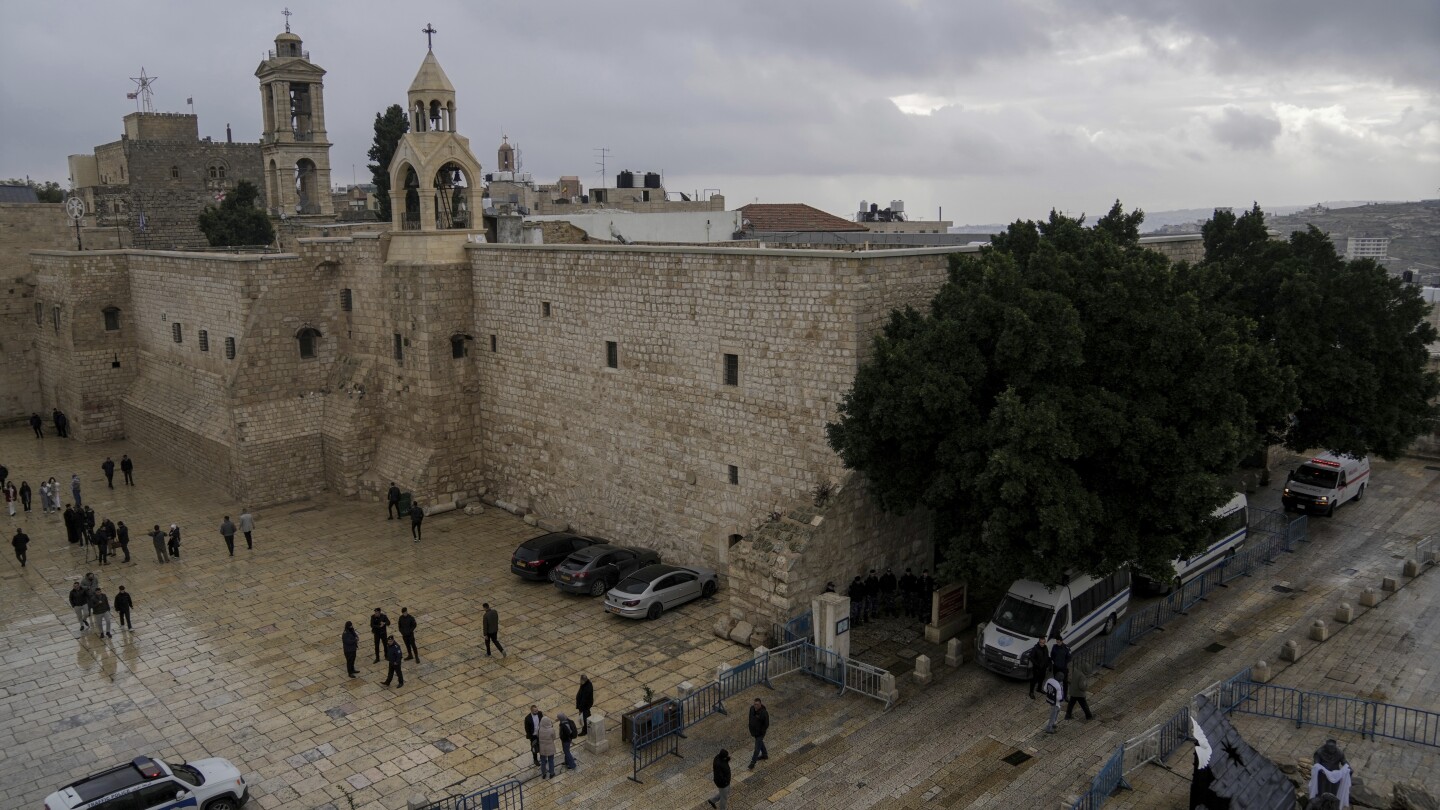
(48, 191)
(389, 128)
(237, 221)
(1068, 402)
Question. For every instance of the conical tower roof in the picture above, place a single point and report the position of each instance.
(431, 78)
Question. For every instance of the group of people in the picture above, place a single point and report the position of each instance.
(92, 606)
(543, 733)
(392, 510)
(872, 596)
(57, 417)
(1051, 677)
(758, 723)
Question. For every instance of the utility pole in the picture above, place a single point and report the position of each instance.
(601, 153)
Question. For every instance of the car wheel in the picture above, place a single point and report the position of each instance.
(655, 610)
(222, 803)
(598, 589)
(709, 590)
(1360, 493)
(1109, 625)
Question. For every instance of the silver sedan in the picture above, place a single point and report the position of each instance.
(656, 588)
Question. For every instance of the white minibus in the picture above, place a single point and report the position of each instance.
(1326, 481)
(1227, 536)
(1075, 611)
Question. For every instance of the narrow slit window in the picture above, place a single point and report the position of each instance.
(347, 301)
(544, 309)
(732, 369)
(175, 332)
(492, 343)
(204, 338)
(399, 348)
(734, 475)
(612, 354)
(229, 348)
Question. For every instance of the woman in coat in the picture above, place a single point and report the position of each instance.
(546, 735)
(174, 541)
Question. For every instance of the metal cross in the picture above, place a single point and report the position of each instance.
(429, 32)
(287, 12)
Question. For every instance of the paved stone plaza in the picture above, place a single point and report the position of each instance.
(241, 659)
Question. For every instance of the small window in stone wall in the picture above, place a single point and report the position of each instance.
(347, 302)
(230, 348)
(732, 369)
(175, 332)
(612, 354)
(734, 474)
(492, 341)
(112, 319)
(307, 338)
(204, 340)
(174, 172)
(544, 309)
(55, 317)
(39, 313)
(458, 346)
(399, 348)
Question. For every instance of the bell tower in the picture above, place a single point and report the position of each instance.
(294, 147)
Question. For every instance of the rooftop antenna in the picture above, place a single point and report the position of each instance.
(143, 95)
(429, 32)
(601, 152)
(287, 13)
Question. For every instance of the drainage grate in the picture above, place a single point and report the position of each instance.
(1281, 589)
(1016, 758)
(1214, 648)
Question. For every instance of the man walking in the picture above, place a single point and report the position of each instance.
(1039, 666)
(227, 531)
(102, 544)
(127, 468)
(158, 537)
(75, 488)
(123, 604)
(416, 515)
(407, 632)
(174, 540)
(584, 702)
(1079, 691)
(109, 469)
(392, 654)
(392, 499)
(1060, 659)
(62, 424)
(80, 603)
(35, 423)
(350, 642)
(20, 541)
(379, 628)
(721, 768)
(100, 610)
(491, 625)
(759, 724)
(532, 728)
(25, 495)
(122, 536)
(247, 525)
(1054, 695)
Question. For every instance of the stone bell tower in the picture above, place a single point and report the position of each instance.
(294, 148)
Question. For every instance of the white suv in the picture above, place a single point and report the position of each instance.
(150, 784)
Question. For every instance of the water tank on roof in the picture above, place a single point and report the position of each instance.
(864, 206)
(898, 206)
(652, 180)
(625, 179)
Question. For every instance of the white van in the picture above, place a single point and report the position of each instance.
(1075, 611)
(1326, 481)
(1226, 537)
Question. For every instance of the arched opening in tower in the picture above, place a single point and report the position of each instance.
(307, 193)
(453, 200)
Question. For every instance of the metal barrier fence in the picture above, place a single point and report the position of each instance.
(1110, 779)
(1157, 744)
(738, 679)
(700, 704)
(863, 678)
(797, 628)
(1367, 717)
(785, 659)
(659, 737)
(509, 795)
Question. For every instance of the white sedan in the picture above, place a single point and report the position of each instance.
(656, 588)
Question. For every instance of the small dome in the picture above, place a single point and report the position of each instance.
(287, 37)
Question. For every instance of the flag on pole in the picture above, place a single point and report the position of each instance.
(190, 100)
(131, 96)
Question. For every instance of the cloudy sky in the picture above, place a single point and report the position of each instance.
(990, 111)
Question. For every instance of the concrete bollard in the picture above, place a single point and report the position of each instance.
(595, 741)
(722, 670)
(417, 802)
(1260, 673)
(922, 669)
(684, 690)
(761, 652)
(1344, 614)
(1390, 584)
(1411, 569)
(1369, 598)
(954, 653)
(1318, 630)
(1290, 652)
(888, 687)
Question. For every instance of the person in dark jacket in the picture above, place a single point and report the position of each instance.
(759, 724)
(109, 469)
(80, 603)
(227, 531)
(123, 605)
(490, 625)
(392, 501)
(379, 628)
(909, 592)
(872, 595)
(1039, 666)
(100, 611)
(72, 524)
(565, 728)
(62, 424)
(721, 768)
(532, 730)
(584, 702)
(1060, 659)
(35, 424)
(87, 524)
(20, 541)
(174, 540)
(350, 642)
(393, 655)
(887, 592)
(416, 515)
(927, 587)
(127, 469)
(1079, 690)
(25, 495)
(122, 538)
(856, 592)
(101, 538)
(4, 475)
(158, 538)
(407, 632)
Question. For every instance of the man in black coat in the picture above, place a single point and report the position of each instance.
(35, 423)
(102, 544)
(721, 767)
(350, 642)
(532, 728)
(1039, 666)
(759, 724)
(584, 702)
(909, 592)
(72, 524)
(20, 541)
(887, 592)
(1060, 660)
(856, 592)
(392, 654)
(127, 469)
(872, 595)
(379, 628)
(123, 605)
(122, 537)
(392, 498)
(416, 515)
(62, 424)
(109, 469)
(407, 632)
(25, 493)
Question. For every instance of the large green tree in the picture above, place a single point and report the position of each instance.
(1355, 338)
(1067, 402)
(389, 128)
(237, 221)
(48, 191)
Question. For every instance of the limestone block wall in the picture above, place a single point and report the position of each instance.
(23, 228)
(1188, 247)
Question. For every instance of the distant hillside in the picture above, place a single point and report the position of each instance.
(1413, 228)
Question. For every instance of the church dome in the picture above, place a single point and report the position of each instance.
(431, 78)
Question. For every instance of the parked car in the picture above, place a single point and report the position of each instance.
(597, 569)
(536, 557)
(656, 588)
(146, 783)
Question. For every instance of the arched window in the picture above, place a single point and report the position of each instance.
(308, 339)
(174, 172)
(112, 319)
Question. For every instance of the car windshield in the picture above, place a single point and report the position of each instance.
(1315, 476)
(1023, 618)
(633, 585)
(187, 774)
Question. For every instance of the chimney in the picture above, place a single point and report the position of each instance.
(228, 137)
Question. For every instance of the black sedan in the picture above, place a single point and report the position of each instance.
(535, 557)
(597, 569)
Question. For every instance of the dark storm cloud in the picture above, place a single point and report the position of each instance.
(1243, 130)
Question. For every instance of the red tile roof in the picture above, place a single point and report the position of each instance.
(772, 217)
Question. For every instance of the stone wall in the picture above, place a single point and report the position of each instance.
(24, 227)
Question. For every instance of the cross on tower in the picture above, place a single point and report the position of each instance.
(429, 32)
(287, 13)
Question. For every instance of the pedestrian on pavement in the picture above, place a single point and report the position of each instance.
(35, 425)
(75, 488)
(80, 603)
(109, 469)
(379, 628)
(856, 592)
(4, 475)
(158, 537)
(72, 524)
(127, 469)
(246, 526)
(392, 500)
(54, 495)
(532, 725)
(91, 584)
(392, 654)
(12, 497)
(100, 610)
(1060, 659)
(1054, 695)
(227, 531)
(25, 495)
(721, 767)
(44, 497)
(1079, 686)
(350, 642)
(62, 424)
(102, 545)
(407, 632)
(909, 590)
(1039, 666)
(491, 626)
(122, 537)
(887, 592)
(872, 595)
(87, 524)
(20, 541)
(123, 604)
(565, 727)
(759, 724)
(584, 702)
(927, 587)
(174, 541)
(416, 515)
(545, 746)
